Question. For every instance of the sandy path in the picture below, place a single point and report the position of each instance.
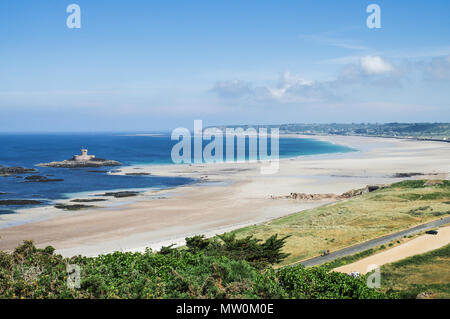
(384, 240)
(241, 197)
(413, 247)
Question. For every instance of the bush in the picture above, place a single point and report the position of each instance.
(259, 254)
(198, 272)
(318, 283)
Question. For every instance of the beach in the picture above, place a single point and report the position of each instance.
(228, 196)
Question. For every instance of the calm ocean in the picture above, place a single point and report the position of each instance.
(27, 150)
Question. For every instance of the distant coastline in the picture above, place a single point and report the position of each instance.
(419, 131)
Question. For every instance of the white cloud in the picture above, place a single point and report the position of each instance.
(288, 83)
(369, 76)
(375, 65)
(372, 71)
(288, 89)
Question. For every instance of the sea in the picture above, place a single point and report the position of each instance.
(27, 150)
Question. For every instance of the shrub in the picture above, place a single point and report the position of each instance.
(228, 269)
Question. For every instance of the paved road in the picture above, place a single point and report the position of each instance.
(372, 243)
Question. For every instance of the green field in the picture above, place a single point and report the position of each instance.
(426, 275)
(362, 218)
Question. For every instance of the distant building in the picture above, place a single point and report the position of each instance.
(84, 156)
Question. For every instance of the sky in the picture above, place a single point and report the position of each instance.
(157, 65)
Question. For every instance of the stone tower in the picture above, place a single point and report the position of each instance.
(84, 156)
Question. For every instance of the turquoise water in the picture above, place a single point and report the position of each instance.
(27, 150)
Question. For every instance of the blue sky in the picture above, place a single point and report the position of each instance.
(156, 65)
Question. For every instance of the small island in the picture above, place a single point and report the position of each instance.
(83, 160)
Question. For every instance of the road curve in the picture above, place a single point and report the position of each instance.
(371, 243)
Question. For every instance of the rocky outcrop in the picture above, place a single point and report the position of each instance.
(19, 202)
(404, 175)
(89, 200)
(121, 194)
(332, 197)
(95, 162)
(8, 171)
(73, 207)
(361, 191)
(41, 179)
(304, 196)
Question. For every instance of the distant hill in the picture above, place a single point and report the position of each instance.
(427, 131)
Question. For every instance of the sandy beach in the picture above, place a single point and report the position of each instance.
(231, 195)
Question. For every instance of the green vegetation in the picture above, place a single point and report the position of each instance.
(438, 131)
(426, 275)
(241, 264)
(248, 248)
(362, 218)
(366, 253)
(352, 258)
(206, 269)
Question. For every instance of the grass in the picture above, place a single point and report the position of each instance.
(369, 252)
(372, 251)
(426, 275)
(352, 258)
(362, 218)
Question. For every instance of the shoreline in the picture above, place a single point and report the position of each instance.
(243, 199)
(24, 215)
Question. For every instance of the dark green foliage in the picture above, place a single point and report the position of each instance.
(258, 253)
(30, 272)
(197, 243)
(319, 283)
(165, 250)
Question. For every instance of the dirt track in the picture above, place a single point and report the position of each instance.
(413, 247)
(373, 243)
